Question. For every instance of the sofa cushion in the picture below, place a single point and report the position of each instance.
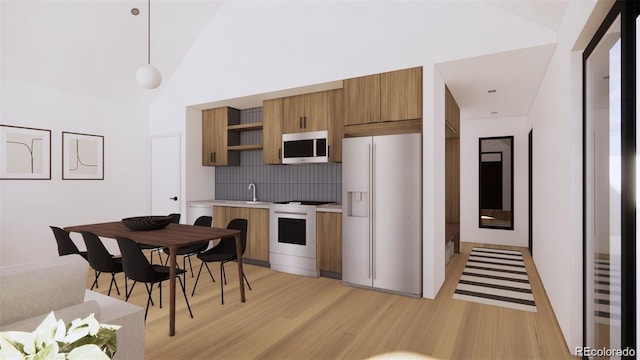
(131, 317)
(36, 288)
(67, 315)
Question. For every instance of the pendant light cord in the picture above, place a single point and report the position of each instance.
(149, 32)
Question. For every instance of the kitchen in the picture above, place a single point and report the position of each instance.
(249, 166)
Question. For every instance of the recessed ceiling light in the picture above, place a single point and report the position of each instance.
(135, 11)
(491, 91)
(494, 112)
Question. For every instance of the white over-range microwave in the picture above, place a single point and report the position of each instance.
(305, 147)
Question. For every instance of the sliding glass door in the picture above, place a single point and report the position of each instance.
(603, 261)
(610, 182)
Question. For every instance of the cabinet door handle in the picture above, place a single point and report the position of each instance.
(300, 120)
(305, 122)
(279, 153)
(329, 151)
(212, 157)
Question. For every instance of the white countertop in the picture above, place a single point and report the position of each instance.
(258, 204)
(330, 208)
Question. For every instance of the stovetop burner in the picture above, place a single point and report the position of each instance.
(304, 202)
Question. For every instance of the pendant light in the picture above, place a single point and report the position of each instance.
(147, 75)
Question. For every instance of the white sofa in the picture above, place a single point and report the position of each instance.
(30, 291)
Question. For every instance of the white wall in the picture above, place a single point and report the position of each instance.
(28, 207)
(470, 131)
(556, 118)
(260, 47)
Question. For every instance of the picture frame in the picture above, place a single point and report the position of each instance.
(82, 156)
(25, 153)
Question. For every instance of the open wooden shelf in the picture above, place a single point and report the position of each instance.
(244, 147)
(245, 127)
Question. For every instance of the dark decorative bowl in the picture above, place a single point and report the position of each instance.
(145, 223)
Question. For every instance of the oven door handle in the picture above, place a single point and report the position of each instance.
(290, 213)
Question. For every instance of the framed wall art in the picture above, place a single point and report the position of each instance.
(82, 156)
(25, 153)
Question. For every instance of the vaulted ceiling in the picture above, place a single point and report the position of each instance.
(94, 48)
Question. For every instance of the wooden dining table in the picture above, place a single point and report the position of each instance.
(173, 237)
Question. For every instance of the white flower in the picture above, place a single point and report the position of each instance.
(7, 350)
(51, 337)
(81, 328)
(87, 352)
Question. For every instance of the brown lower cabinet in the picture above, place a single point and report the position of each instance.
(257, 230)
(329, 241)
(328, 234)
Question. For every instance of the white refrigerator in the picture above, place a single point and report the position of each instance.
(382, 213)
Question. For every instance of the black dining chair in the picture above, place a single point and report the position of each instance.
(66, 246)
(224, 252)
(138, 268)
(175, 219)
(191, 250)
(102, 261)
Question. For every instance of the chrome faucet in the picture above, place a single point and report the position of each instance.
(252, 185)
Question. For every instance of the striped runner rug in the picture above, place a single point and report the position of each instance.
(607, 290)
(496, 277)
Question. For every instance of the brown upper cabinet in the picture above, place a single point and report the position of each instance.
(308, 112)
(272, 131)
(282, 116)
(336, 125)
(401, 95)
(390, 96)
(361, 100)
(216, 138)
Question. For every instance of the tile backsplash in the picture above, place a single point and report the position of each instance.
(320, 182)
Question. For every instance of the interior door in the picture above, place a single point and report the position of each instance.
(165, 174)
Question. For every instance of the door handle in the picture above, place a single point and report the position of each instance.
(305, 122)
(300, 122)
(175, 198)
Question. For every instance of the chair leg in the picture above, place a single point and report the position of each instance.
(247, 281)
(130, 291)
(95, 282)
(190, 266)
(223, 272)
(184, 266)
(202, 264)
(197, 278)
(184, 292)
(113, 281)
(149, 291)
(221, 284)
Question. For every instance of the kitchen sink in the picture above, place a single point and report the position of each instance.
(256, 202)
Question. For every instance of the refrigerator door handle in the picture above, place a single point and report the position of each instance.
(372, 161)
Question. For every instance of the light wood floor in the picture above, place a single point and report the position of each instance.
(295, 317)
